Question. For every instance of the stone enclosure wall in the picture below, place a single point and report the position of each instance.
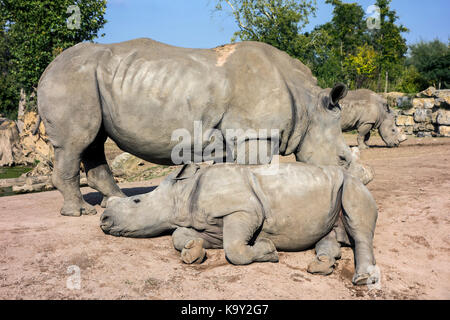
(425, 115)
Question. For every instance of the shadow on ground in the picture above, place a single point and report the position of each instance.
(94, 198)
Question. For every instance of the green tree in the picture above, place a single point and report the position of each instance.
(342, 37)
(432, 61)
(276, 22)
(389, 43)
(8, 87)
(38, 30)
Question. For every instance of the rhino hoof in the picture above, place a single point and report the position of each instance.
(365, 278)
(322, 265)
(193, 252)
(76, 211)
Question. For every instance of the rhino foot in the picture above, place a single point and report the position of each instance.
(366, 278)
(265, 251)
(323, 265)
(193, 252)
(72, 210)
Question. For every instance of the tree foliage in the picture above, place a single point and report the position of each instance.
(432, 61)
(37, 31)
(344, 49)
(276, 22)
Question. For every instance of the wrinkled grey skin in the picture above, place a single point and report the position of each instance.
(252, 215)
(138, 92)
(364, 110)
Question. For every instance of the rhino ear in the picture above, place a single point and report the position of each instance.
(338, 93)
(186, 171)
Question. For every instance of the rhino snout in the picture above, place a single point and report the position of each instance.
(106, 221)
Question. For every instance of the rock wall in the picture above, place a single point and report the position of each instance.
(425, 115)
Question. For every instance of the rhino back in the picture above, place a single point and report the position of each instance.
(360, 107)
(145, 86)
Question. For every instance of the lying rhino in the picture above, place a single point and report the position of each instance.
(252, 215)
(139, 92)
(365, 110)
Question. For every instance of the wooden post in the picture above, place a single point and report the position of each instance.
(386, 85)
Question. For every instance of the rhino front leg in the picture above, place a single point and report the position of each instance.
(191, 244)
(364, 135)
(238, 229)
(328, 250)
(99, 175)
(360, 216)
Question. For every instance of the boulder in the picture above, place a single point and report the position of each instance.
(444, 131)
(422, 115)
(441, 117)
(423, 103)
(423, 126)
(430, 92)
(10, 149)
(125, 164)
(408, 112)
(408, 130)
(36, 148)
(404, 120)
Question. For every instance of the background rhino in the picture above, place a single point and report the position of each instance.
(138, 92)
(365, 110)
(251, 214)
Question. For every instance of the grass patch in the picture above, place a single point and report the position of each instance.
(13, 172)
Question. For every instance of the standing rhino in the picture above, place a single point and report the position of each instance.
(139, 92)
(365, 110)
(252, 215)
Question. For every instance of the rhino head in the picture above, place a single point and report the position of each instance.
(149, 214)
(323, 143)
(389, 131)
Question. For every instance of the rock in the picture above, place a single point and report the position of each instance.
(442, 102)
(444, 131)
(408, 112)
(393, 98)
(10, 149)
(422, 115)
(126, 164)
(423, 126)
(430, 92)
(404, 120)
(441, 117)
(36, 148)
(408, 130)
(423, 103)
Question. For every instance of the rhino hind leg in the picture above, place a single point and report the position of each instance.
(360, 216)
(238, 230)
(66, 178)
(328, 250)
(364, 135)
(98, 173)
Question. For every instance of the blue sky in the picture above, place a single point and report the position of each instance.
(192, 23)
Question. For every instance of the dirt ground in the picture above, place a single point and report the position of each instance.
(412, 246)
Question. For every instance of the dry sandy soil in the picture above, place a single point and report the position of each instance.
(412, 246)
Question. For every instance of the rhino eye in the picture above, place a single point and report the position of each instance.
(136, 200)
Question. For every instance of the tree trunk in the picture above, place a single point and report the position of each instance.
(387, 81)
(22, 105)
